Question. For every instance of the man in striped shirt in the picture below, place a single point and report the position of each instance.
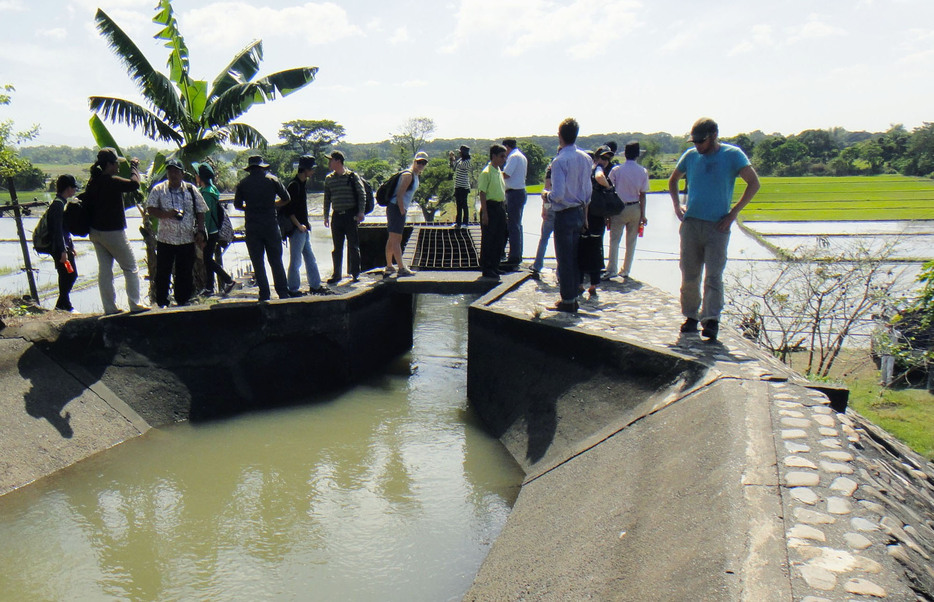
(461, 167)
(343, 192)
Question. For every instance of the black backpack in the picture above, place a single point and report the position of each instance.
(387, 188)
(367, 192)
(77, 216)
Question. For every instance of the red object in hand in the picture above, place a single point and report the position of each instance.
(641, 230)
(68, 267)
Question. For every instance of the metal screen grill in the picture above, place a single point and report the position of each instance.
(444, 248)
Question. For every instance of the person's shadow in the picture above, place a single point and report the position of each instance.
(49, 395)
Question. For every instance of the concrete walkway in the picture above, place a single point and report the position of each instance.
(745, 485)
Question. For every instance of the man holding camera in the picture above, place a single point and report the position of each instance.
(180, 209)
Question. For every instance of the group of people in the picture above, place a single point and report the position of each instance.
(574, 178)
(189, 216)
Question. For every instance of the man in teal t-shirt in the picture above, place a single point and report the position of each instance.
(711, 168)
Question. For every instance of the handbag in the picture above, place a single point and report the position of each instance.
(225, 233)
(604, 202)
(285, 224)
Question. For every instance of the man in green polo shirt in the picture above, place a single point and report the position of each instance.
(492, 189)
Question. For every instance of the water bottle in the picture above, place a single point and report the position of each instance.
(641, 230)
(68, 267)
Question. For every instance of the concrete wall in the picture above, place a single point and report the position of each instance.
(204, 362)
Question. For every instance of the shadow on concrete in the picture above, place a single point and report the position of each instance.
(541, 388)
(46, 398)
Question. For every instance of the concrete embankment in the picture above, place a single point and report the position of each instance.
(75, 388)
(661, 467)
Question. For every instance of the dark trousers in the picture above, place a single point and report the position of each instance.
(493, 237)
(515, 203)
(344, 226)
(211, 267)
(66, 280)
(590, 252)
(460, 199)
(567, 235)
(182, 258)
(263, 241)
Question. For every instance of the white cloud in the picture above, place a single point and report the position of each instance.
(761, 37)
(400, 36)
(814, 28)
(583, 28)
(12, 5)
(58, 33)
(414, 83)
(316, 23)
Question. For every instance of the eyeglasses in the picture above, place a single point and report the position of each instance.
(421, 162)
(701, 141)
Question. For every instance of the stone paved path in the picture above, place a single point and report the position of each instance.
(858, 505)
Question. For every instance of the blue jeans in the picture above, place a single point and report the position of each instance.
(567, 233)
(264, 242)
(299, 250)
(548, 226)
(515, 203)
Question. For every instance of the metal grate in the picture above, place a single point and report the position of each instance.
(444, 248)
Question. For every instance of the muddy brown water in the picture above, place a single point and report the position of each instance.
(389, 491)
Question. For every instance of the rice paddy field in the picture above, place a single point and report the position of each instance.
(857, 198)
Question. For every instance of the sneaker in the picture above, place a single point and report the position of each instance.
(296, 294)
(228, 287)
(135, 309)
(403, 272)
(535, 274)
(389, 271)
(711, 330)
(491, 275)
(690, 325)
(321, 290)
(334, 279)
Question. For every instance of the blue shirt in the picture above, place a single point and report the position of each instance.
(407, 197)
(570, 179)
(710, 180)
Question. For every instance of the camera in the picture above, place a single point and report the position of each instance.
(180, 215)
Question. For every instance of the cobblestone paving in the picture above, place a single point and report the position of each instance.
(858, 505)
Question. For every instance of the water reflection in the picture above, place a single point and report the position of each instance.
(388, 492)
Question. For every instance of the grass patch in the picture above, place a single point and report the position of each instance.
(858, 198)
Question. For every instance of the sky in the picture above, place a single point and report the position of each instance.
(484, 69)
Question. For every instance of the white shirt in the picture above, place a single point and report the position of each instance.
(630, 179)
(516, 167)
(187, 198)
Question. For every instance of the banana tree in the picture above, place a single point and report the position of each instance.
(195, 117)
(190, 114)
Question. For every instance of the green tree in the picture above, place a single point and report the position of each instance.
(743, 141)
(872, 153)
(311, 137)
(11, 164)
(373, 170)
(919, 153)
(538, 162)
(821, 145)
(196, 117)
(411, 136)
(764, 155)
(435, 188)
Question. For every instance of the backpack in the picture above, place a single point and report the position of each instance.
(387, 188)
(41, 239)
(367, 193)
(76, 219)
